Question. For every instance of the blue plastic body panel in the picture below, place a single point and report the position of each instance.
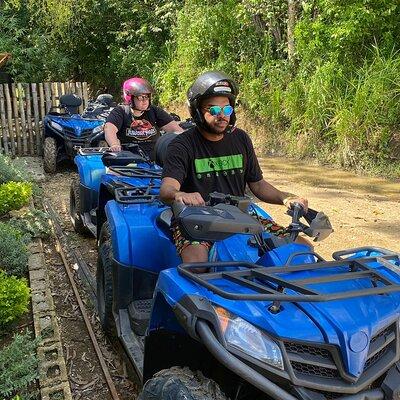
(75, 122)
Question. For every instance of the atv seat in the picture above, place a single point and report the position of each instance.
(121, 158)
(70, 102)
(164, 221)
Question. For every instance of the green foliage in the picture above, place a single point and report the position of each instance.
(345, 31)
(18, 367)
(34, 223)
(13, 250)
(14, 195)
(329, 100)
(11, 171)
(14, 298)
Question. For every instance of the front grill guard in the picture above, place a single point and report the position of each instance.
(71, 133)
(267, 284)
(320, 362)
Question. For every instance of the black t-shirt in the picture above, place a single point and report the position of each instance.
(204, 166)
(143, 130)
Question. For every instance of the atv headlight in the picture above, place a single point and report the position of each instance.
(98, 129)
(246, 337)
(56, 126)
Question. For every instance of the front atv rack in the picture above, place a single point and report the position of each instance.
(269, 284)
(91, 151)
(126, 193)
(135, 172)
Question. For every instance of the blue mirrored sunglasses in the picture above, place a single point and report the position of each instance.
(216, 110)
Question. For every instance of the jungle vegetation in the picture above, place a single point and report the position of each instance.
(321, 76)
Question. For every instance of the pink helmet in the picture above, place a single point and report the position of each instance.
(135, 86)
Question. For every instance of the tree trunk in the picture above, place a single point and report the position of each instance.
(292, 17)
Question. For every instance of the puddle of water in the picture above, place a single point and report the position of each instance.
(331, 178)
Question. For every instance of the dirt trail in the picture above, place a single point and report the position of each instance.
(363, 210)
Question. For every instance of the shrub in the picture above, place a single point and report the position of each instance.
(33, 223)
(14, 298)
(13, 195)
(9, 171)
(13, 251)
(18, 367)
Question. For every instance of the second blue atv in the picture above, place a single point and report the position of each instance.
(264, 318)
(92, 164)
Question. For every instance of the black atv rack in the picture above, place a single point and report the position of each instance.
(136, 172)
(269, 285)
(89, 151)
(126, 193)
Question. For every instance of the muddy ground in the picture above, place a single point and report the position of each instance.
(363, 211)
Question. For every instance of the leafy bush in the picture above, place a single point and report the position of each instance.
(10, 171)
(14, 298)
(18, 367)
(13, 251)
(14, 195)
(34, 223)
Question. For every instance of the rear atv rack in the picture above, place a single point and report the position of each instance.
(282, 284)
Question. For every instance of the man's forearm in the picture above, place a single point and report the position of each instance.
(268, 193)
(167, 193)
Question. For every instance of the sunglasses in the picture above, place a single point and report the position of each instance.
(216, 110)
(142, 97)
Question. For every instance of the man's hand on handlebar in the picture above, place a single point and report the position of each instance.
(116, 147)
(190, 199)
(289, 201)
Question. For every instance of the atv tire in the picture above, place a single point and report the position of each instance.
(75, 206)
(181, 384)
(50, 155)
(104, 281)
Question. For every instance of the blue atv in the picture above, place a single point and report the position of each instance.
(66, 130)
(92, 164)
(264, 318)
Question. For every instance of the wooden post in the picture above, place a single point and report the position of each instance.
(85, 94)
(23, 120)
(10, 119)
(3, 121)
(72, 87)
(54, 99)
(42, 103)
(28, 107)
(36, 116)
(67, 90)
(59, 90)
(16, 118)
(47, 91)
(79, 93)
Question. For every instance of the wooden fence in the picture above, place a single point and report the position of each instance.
(22, 109)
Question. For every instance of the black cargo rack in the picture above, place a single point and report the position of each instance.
(89, 151)
(268, 285)
(136, 172)
(126, 193)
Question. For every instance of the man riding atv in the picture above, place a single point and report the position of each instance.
(138, 121)
(215, 156)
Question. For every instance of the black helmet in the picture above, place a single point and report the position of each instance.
(212, 83)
